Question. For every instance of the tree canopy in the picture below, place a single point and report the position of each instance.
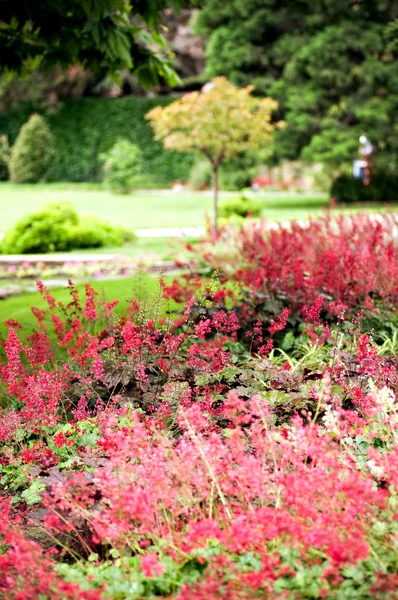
(220, 121)
(101, 35)
(331, 65)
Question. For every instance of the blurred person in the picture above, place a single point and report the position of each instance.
(366, 150)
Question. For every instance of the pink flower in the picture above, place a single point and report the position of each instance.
(150, 565)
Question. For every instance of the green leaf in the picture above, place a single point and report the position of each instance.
(32, 495)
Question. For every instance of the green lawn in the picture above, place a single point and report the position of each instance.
(143, 287)
(155, 208)
(142, 209)
(152, 209)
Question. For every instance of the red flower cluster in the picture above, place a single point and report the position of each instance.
(349, 261)
(171, 460)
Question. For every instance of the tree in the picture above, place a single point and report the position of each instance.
(101, 35)
(330, 64)
(220, 121)
(32, 153)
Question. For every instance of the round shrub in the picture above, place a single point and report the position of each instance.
(122, 165)
(32, 153)
(240, 206)
(91, 232)
(57, 227)
(383, 187)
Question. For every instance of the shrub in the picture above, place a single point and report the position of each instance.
(241, 206)
(239, 172)
(91, 232)
(383, 187)
(85, 127)
(122, 165)
(58, 228)
(33, 152)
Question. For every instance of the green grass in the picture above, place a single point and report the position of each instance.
(155, 208)
(142, 209)
(143, 287)
(138, 210)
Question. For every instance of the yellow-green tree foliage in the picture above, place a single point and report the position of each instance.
(220, 121)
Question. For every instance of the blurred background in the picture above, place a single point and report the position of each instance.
(89, 188)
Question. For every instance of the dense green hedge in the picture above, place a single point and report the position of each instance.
(383, 187)
(84, 127)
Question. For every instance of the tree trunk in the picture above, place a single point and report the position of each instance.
(214, 185)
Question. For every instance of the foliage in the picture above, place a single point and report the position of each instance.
(331, 66)
(33, 152)
(83, 128)
(56, 228)
(4, 157)
(382, 188)
(153, 459)
(239, 172)
(190, 123)
(104, 35)
(339, 265)
(241, 206)
(391, 34)
(220, 121)
(43, 88)
(179, 455)
(235, 174)
(122, 164)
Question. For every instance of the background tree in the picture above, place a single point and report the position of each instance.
(330, 64)
(221, 121)
(102, 35)
(33, 152)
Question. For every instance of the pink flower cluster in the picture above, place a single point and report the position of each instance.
(166, 450)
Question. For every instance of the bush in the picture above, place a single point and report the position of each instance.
(122, 165)
(383, 187)
(58, 228)
(239, 172)
(240, 206)
(91, 232)
(33, 152)
(85, 127)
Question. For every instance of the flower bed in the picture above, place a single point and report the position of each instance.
(79, 269)
(174, 455)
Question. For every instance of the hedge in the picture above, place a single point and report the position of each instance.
(84, 127)
(383, 188)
